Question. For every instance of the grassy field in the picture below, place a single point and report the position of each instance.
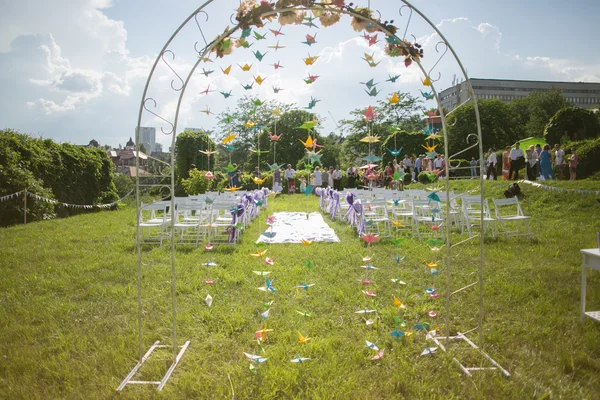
(68, 312)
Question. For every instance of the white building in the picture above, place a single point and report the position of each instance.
(148, 138)
(580, 94)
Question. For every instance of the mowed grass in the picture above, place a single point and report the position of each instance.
(68, 311)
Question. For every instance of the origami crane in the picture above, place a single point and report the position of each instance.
(427, 95)
(433, 136)
(372, 346)
(310, 40)
(245, 67)
(308, 191)
(257, 180)
(398, 303)
(258, 79)
(207, 72)
(392, 78)
(209, 282)
(365, 311)
(304, 313)
(373, 92)
(276, 89)
(227, 120)
(264, 315)
(426, 81)
(378, 356)
(395, 153)
(433, 264)
(269, 285)
(277, 65)
(276, 47)
(366, 281)
(227, 70)
(232, 189)
(369, 114)
(207, 91)
(311, 79)
(250, 124)
(370, 238)
(372, 158)
(207, 111)
(274, 137)
(398, 281)
(302, 339)
(313, 102)
(394, 99)
(210, 263)
(397, 333)
(305, 286)
(309, 142)
(259, 56)
(226, 94)
(299, 359)
(370, 84)
(262, 273)
(225, 44)
(207, 152)
(430, 148)
(309, 125)
(246, 33)
(277, 32)
(261, 334)
(258, 36)
(208, 300)
(309, 22)
(368, 293)
(306, 242)
(370, 139)
(257, 102)
(208, 247)
(255, 359)
(248, 87)
(310, 60)
(259, 254)
(369, 267)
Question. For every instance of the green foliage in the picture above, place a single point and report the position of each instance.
(589, 154)
(534, 111)
(412, 143)
(572, 123)
(187, 147)
(124, 184)
(72, 174)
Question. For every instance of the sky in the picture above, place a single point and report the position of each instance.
(75, 70)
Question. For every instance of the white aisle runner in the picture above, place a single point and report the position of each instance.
(292, 227)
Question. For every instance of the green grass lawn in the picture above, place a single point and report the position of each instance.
(68, 311)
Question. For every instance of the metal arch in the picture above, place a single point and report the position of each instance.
(162, 56)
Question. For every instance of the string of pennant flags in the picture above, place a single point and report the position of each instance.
(52, 201)
(560, 189)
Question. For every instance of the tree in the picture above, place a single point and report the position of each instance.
(573, 124)
(499, 126)
(534, 111)
(187, 147)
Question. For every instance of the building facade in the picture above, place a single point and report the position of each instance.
(148, 138)
(580, 94)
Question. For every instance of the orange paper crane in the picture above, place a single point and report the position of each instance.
(309, 142)
(430, 148)
(302, 339)
(274, 137)
(245, 67)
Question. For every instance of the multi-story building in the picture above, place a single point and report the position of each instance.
(580, 94)
(148, 138)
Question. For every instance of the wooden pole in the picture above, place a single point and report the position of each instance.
(25, 206)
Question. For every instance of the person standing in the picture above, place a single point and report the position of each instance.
(351, 173)
(492, 161)
(318, 177)
(531, 159)
(418, 164)
(538, 169)
(546, 163)
(337, 178)
(289, 177)
(473, 165)
(573, 162)
(559, 160)
(325, 177)
(505, 163)
(388, 175)
(277, 181)
(517, 158)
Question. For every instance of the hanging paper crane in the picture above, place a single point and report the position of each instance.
(310, 39)
(259, 56)
(248, 87)
(258, 79)
(258, 36)
(309, 22)
(373, 92)
(426, 81)
(277, 65)
(369, 114)
(277, 32)
(395, 153)
(311, 79)
(369, 84)
(207, 72)
(227, 70)
(394, 99)
(310, 60)
(245, 67)
(226, 94)
(276, 47)
(392, 78)
(427, 95)
(313, 102)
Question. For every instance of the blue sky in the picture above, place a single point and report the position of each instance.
(73, 70)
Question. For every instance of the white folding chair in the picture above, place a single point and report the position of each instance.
(188, 221)
(376, 218)
(154, 222)
(472, 213)
(429, 214)
(509, 211)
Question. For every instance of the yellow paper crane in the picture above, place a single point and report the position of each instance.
(306, 242)
(227, 70)
(432, 264)
(370, 139)
(426, 81)
(232, 189)
(276, 112)
(258, 79)
(249, 124)
(245, 67)
(310, 60)
(302, 339)
(308, 144)
(259, 254)
(430, 148)
(398, 303)
(398, 224)
(394, 99)
(229, 138)
(433, 136)
(207, 152)
(261, 334)
(258, 180)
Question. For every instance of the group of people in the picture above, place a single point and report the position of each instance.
(539, 162)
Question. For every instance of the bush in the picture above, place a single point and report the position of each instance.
(124, 184)
(589, 154)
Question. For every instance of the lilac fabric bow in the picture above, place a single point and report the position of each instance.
(237, 212)
(334, 204)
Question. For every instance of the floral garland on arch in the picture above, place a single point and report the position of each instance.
(252, 13)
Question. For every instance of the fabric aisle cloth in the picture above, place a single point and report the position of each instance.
(292, 227)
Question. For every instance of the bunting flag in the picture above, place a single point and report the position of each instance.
(560, 189)
(52, 201)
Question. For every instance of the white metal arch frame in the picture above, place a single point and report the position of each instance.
(181, 86)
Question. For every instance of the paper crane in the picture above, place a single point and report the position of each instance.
(250, 124)
(232, 189)
(302, 339)
(306, 242)
(259, 152)
(370, 139)
(309, 125)
(394, 99)
(304, 313)
(426, 81)
(257, 102)
(368, 57)
(207, 152)
(277, 65)
(245, 67)
(276, 89)
(373, 64)
(207, 91)
(310, 60)
(274, 137)
(248, 87)
(258, 79)
(313, 102)
(244, 43)
(255, 359)
(207, 111)
(259, 254)
(276, 47)
(433, 136)
(309, 22)
(371, 346)
(378, 356)
(259, 56)
(277, 32)
(226, 94)
(258, 36)
(392, 78)
(430, 148)
(229, 138)
(310, 40)
(314, 157)
(395, 153)
(299, 359)
(369, 114)
(227, 70)
(373, 92)
(305, 286)
(261, 334)
(311, 79)
(274, 167)
(370, 84)
(207, 72)
(309, 142)
(257, 180)
(246, 33)
(427, 95)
